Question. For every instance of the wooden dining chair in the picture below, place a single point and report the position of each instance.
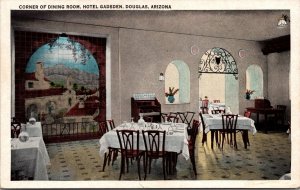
(204, 106)
(154, 141)
(229, 127)
(112, 154)
(129, 146)
(205, 103)
(15, 127)
(173, 119)
(111, 124)
(192, 143)
(103, 128)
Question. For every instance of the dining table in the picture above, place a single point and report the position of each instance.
(217, 105)
(29, 159)
(213, 123)
(176, 140)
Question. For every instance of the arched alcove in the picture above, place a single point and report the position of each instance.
(177, 75)
(254, 81)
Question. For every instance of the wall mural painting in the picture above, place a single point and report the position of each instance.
(62, 83)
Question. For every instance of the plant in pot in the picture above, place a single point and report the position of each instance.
(171, 93)
(248, 94)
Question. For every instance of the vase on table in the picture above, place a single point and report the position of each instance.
(171, 99)
(23, 136)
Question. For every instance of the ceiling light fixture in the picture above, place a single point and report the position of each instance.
(283, 21)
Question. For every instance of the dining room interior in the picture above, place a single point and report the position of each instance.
(210, 88)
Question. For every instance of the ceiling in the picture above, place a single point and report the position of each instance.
(254, 25)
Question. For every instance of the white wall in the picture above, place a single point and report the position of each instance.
(278, 79)
(138, 56)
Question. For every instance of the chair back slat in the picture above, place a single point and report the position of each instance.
(229, 122)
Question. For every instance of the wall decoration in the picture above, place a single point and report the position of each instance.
(194, 50)
(242, 53)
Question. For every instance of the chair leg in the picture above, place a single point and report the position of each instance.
(235, 144)
(115, 155)
(212, 139)
(138, 165)
(223, 138)
(204, 137)
(145, 167)
(104, 162)
(122, 167)
(127, 164)
(192, 157)
(150, 161)
(164, 167)
(217, 140)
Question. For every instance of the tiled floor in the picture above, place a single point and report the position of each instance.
(268, 158)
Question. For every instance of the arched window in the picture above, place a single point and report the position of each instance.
(254, 81)
(177, 76)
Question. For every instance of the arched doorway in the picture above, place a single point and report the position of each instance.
(218, 74)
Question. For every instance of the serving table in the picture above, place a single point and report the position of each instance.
(29, 159)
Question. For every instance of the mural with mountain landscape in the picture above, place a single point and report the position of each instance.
(62, 83)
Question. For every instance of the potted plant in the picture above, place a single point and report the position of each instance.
(248, 94)
(171, 93)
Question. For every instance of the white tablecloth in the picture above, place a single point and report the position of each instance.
(215, 122)
(34, 130)
(177, 142)
(220, 105)
(30, 158)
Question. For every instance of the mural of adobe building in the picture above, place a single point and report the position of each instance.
(62, 83)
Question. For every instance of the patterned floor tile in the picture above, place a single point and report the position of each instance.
(267, 158)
